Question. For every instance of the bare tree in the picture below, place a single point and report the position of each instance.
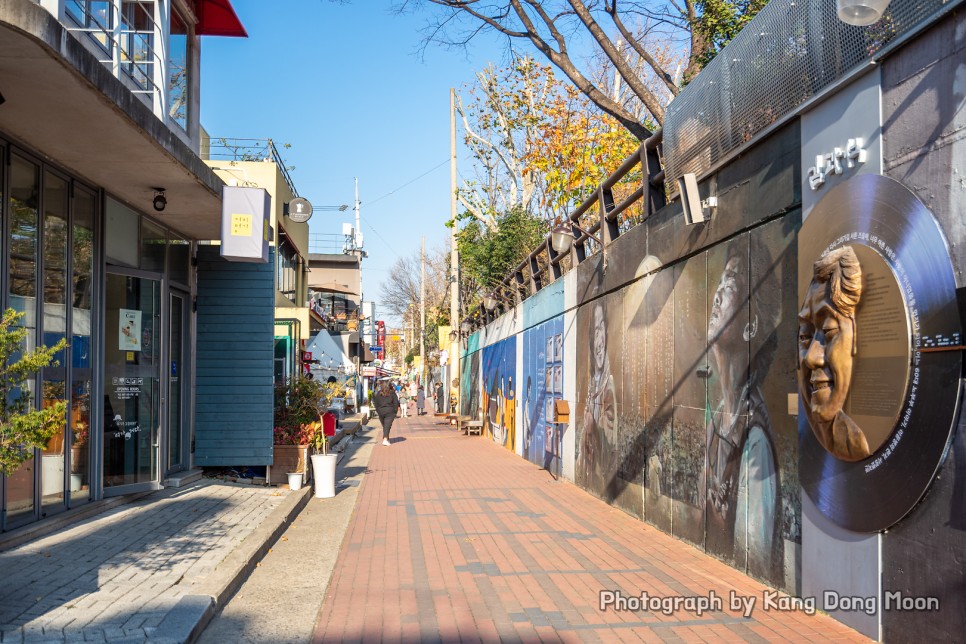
(399, 293)
(569, 32)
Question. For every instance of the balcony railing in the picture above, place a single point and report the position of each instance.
(235, 149)
(125, 40)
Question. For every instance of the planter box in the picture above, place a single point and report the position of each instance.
(286, 459)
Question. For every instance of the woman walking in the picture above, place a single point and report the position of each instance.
(386, 403)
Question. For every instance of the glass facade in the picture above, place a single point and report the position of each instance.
(50, 246)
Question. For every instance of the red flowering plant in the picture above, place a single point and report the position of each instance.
(299, 405)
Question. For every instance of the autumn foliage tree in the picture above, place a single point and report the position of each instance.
(537, 143)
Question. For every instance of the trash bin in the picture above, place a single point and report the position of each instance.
(328, 423)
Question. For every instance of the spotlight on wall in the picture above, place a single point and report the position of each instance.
(860, 13)
(691, 199)
(160, 201)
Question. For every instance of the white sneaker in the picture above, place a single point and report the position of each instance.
(385, 441)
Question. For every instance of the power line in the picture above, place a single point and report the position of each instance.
(407, 183)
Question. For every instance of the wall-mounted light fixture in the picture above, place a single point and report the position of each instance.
(490, 301)
(860, 13)
(696, 210)
(160, 201)
(562, 237)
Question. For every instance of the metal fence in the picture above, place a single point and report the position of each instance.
(788, 54)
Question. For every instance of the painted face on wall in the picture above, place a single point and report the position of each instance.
(726, 301)
(825, 350)
(600, 338)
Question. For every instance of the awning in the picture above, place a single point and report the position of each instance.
(218, 18)
(333, 287)
(378, 372)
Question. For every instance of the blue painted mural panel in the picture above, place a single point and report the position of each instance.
(543, 382)
(498, 395)
(234, 355)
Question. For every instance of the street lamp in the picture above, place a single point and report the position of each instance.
(490, 301)
(562, 237)
(860, 13)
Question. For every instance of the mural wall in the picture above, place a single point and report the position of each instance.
(676, 387)
(497, 391)
(542, 380)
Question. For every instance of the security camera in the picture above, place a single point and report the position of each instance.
(159, 199)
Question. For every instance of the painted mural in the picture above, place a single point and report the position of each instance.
(597, 403)
(677, 385)
(497, 391)
(542, 382)
(470, 386)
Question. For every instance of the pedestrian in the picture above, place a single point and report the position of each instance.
(386, 403)
(413, 391)
(438, 396)
(403, 400)
(420, 401)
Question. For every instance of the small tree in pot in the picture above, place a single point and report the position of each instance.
(22, 428)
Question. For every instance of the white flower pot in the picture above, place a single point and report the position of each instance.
(323, 469)
(295, 480)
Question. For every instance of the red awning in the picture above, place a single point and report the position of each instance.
(218, 18)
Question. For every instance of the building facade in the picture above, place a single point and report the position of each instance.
(104, 200)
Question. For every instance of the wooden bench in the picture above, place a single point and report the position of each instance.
(474, 427)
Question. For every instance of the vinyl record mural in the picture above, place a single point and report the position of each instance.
(878, 387)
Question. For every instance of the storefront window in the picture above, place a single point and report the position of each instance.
(82, 282)
(178, 71)
(55, 204)
(153, 243)
(24, 226)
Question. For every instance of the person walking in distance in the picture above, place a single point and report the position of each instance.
(403, 394)
(386, 403)
(438, 397)
(420, 401)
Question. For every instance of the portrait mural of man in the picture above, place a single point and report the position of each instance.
(743, 488)
(827, 346)
(600, 409)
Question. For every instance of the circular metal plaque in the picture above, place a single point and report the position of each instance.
(904, 393)
(299, 210)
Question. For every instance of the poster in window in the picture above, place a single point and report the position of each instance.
(129, 330)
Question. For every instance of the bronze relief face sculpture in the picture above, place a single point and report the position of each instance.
(826, 350)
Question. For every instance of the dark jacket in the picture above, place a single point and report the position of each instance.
(386, 405)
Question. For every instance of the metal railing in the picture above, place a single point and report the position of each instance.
(627, 197)
(790, 53)
(126, 39)
(330, 244)
(237, 149)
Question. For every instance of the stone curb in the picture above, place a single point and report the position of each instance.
(188, 619)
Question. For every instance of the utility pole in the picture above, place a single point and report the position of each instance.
(454, 262)
(357, 243)
(422, 312)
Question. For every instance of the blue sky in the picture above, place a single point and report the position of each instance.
(345, 86)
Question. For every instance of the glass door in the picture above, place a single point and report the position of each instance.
(132, 365)
(177, 370)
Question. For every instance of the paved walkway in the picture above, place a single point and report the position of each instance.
(135, 573)
(454, 538)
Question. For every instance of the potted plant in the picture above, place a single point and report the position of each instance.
(323, 463)
(297, 405)
(23, 428)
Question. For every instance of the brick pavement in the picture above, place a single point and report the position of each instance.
(455, 538)
(116, 576)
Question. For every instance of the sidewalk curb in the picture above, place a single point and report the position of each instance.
(186, 621)
(189, 618)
